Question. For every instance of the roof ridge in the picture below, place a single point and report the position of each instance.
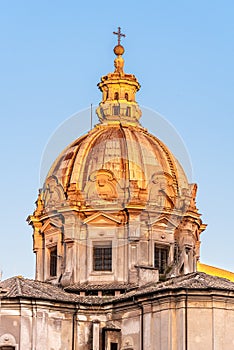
(18, 285)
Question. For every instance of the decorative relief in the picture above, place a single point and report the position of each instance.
(53, 194)
(74, 196)
(161, 190)
(39, 206)
(193, 193)
(8, 340)
(101, 188)
(184, 199)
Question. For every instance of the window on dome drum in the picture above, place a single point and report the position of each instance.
(128, 112)
(116, 96)
(126, 96)
(161, 258)
(116, 110)
(53, 261)
(102, 257)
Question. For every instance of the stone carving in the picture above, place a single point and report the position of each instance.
(184, 200)
(161, 190)
(39, 205)
(193, 190)
(102, 186)
(187, 198)
(119, 64)
(53, 194)
(127, 343)
(74, 195)
(7, 340)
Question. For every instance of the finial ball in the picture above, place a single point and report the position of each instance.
(119, 50)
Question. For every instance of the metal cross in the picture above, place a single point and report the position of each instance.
(119, 35)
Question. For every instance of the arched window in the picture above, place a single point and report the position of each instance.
(116, 96)
(126, 96)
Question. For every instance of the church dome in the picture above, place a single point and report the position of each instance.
(118, 162)
(116, 206)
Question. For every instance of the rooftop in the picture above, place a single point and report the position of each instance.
(19, 287)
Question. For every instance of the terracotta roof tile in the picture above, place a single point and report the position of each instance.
(102, 286)
(20, 287)
(192, 281)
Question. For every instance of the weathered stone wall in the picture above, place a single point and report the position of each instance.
(200, 320)
(211, 322)
(167, 321)
(37, 326)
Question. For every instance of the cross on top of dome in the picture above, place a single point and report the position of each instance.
(119, 35)
(119, 49)
(118, 92)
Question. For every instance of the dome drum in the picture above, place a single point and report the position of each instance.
(119, 112)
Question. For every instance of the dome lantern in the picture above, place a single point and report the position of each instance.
(118, 92)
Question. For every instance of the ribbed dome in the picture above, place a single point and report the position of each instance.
(118, 159)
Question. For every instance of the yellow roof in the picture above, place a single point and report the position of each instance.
(215, 271)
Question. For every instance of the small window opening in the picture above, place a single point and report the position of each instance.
(53, 261)
(116, 110)
(116, 96)
(126, 96)
(128, 112)
(161, 258)
(176, 253)
(102, 258)
(91, 293)
(108, 292)
(113, 346)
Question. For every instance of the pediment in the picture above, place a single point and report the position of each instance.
(102, 219)
(51, 224)
(163, 223)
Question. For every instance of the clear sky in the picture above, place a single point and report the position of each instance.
(52, 56)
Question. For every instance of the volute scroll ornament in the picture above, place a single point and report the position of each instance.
(53, 194)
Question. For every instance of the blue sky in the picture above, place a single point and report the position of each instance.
(53, 55)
